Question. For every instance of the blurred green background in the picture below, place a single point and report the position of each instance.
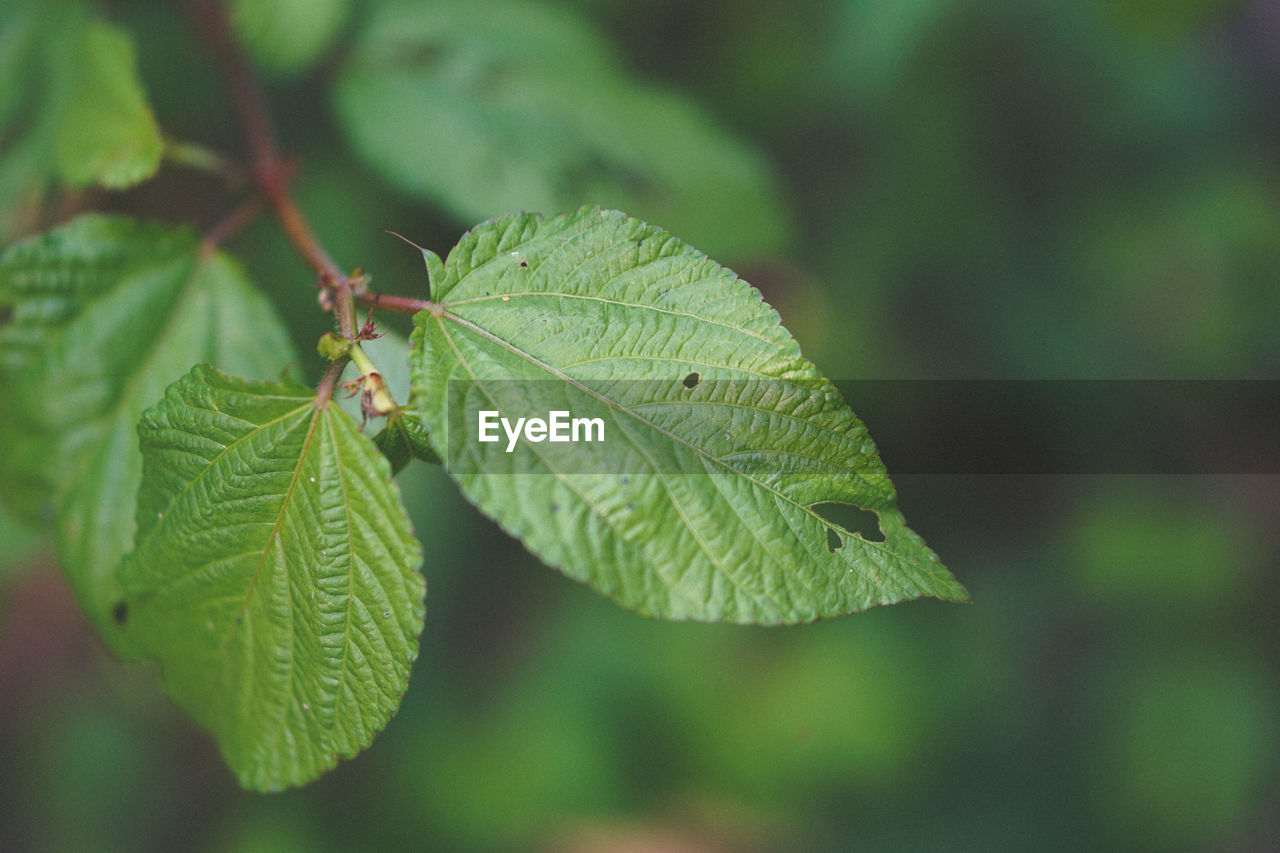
(939, 189)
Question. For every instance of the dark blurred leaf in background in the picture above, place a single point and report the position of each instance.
(498, 106)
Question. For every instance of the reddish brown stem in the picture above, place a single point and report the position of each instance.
(270, 171)
(402, 304)
(237, 219)
(330, 381)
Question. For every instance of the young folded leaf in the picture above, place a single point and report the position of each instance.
(719, 440)
(275, 578)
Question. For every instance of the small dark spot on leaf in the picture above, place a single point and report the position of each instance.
(639, 243)
(626, 480)
(631, 506)
(524, 265)
(6, 315)
(239, 620)
(692, 380)
(120, 613)
(834, 541)
(555, 507)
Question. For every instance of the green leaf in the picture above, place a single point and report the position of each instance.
(501, 105)
(71, 106)
(37, 42)
(873, 44)
(404, 438)
(721, 440)
(276, 578)
(288, 35)
(104, 313)
(107, 135)
(393, 442)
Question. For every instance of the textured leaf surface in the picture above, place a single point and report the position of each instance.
(288, 35)
(721, 439)
(107, 134)
(500, 105)
(275, 579)
(105, 313)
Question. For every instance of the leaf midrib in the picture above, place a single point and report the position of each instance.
(351, 573)
(275, 529)
(151, 534)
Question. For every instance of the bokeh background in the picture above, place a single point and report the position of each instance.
(969, 189)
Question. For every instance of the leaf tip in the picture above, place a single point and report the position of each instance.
(435, 266)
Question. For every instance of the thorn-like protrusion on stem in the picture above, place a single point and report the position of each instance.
(406, 239)
(435, 266)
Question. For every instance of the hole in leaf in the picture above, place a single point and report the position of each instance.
(834, 540)
(851, 519)
(692, 380)
(120, 613)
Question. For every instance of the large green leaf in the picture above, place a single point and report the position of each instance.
(722, 442)
(107, 134)
(103, 314)
(275, 578)
(501, 105)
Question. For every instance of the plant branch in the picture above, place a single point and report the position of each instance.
(193, 155)
(270, 171)
(330, 381)
(401, 304)
(233, 222)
